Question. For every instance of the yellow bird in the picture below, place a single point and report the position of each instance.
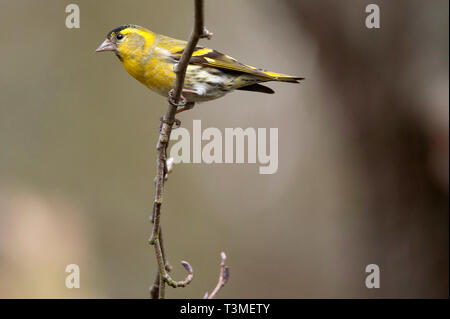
(150, 58)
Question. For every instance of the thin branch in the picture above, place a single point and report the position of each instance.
(198, 32)
(154, 289)
(224, 275)
(162, 288)
(175, 97)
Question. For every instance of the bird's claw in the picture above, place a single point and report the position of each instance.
(181, 104)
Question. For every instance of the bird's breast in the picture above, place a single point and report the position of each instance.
(152, 71)
(135, 67)
(159, 75)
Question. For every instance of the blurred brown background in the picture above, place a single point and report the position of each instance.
(363, 153)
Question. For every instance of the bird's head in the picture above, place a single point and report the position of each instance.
(127, 40)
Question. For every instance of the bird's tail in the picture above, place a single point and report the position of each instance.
(284, 77)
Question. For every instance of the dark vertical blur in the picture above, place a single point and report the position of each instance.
(381, 77)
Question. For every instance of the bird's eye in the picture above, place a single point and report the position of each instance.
(119, 36)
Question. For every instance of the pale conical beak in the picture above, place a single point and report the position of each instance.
(107, 45)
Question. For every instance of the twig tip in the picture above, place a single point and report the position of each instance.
(187, 266)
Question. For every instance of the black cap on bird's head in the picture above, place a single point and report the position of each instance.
(113, 37)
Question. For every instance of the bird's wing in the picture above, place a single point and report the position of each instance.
(212, 58)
